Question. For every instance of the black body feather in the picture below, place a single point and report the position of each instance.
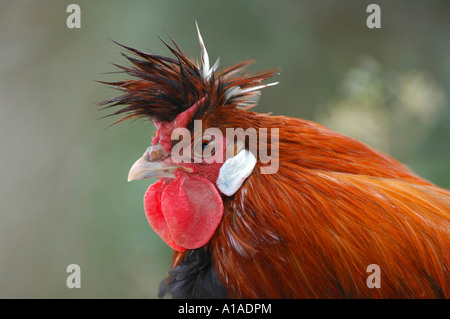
(194, 278)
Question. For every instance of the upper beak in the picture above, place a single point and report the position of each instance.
(150, 165)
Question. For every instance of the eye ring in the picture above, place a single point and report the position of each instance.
(204, 148)
(205, 144)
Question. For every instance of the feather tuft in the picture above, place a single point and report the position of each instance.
(163, 87)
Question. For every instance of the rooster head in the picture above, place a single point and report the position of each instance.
(197, 166)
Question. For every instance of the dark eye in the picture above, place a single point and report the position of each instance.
(208, 148)
(204, 148)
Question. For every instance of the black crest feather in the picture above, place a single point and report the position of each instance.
(163, 87)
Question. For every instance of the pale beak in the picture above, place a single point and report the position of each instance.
(150, 165)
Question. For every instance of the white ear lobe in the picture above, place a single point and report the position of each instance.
(234, 172)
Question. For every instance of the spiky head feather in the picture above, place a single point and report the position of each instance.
(165, 87)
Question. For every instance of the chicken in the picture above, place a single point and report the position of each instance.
(304, 222)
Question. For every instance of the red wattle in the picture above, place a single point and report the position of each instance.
(155, 217)
(184, 212)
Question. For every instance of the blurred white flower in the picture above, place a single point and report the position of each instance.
(393, 111)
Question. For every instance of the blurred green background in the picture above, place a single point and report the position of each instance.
(63, 193)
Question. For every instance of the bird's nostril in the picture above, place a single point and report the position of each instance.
(155, 153)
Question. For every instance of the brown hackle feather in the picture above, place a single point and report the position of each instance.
(334, 207)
